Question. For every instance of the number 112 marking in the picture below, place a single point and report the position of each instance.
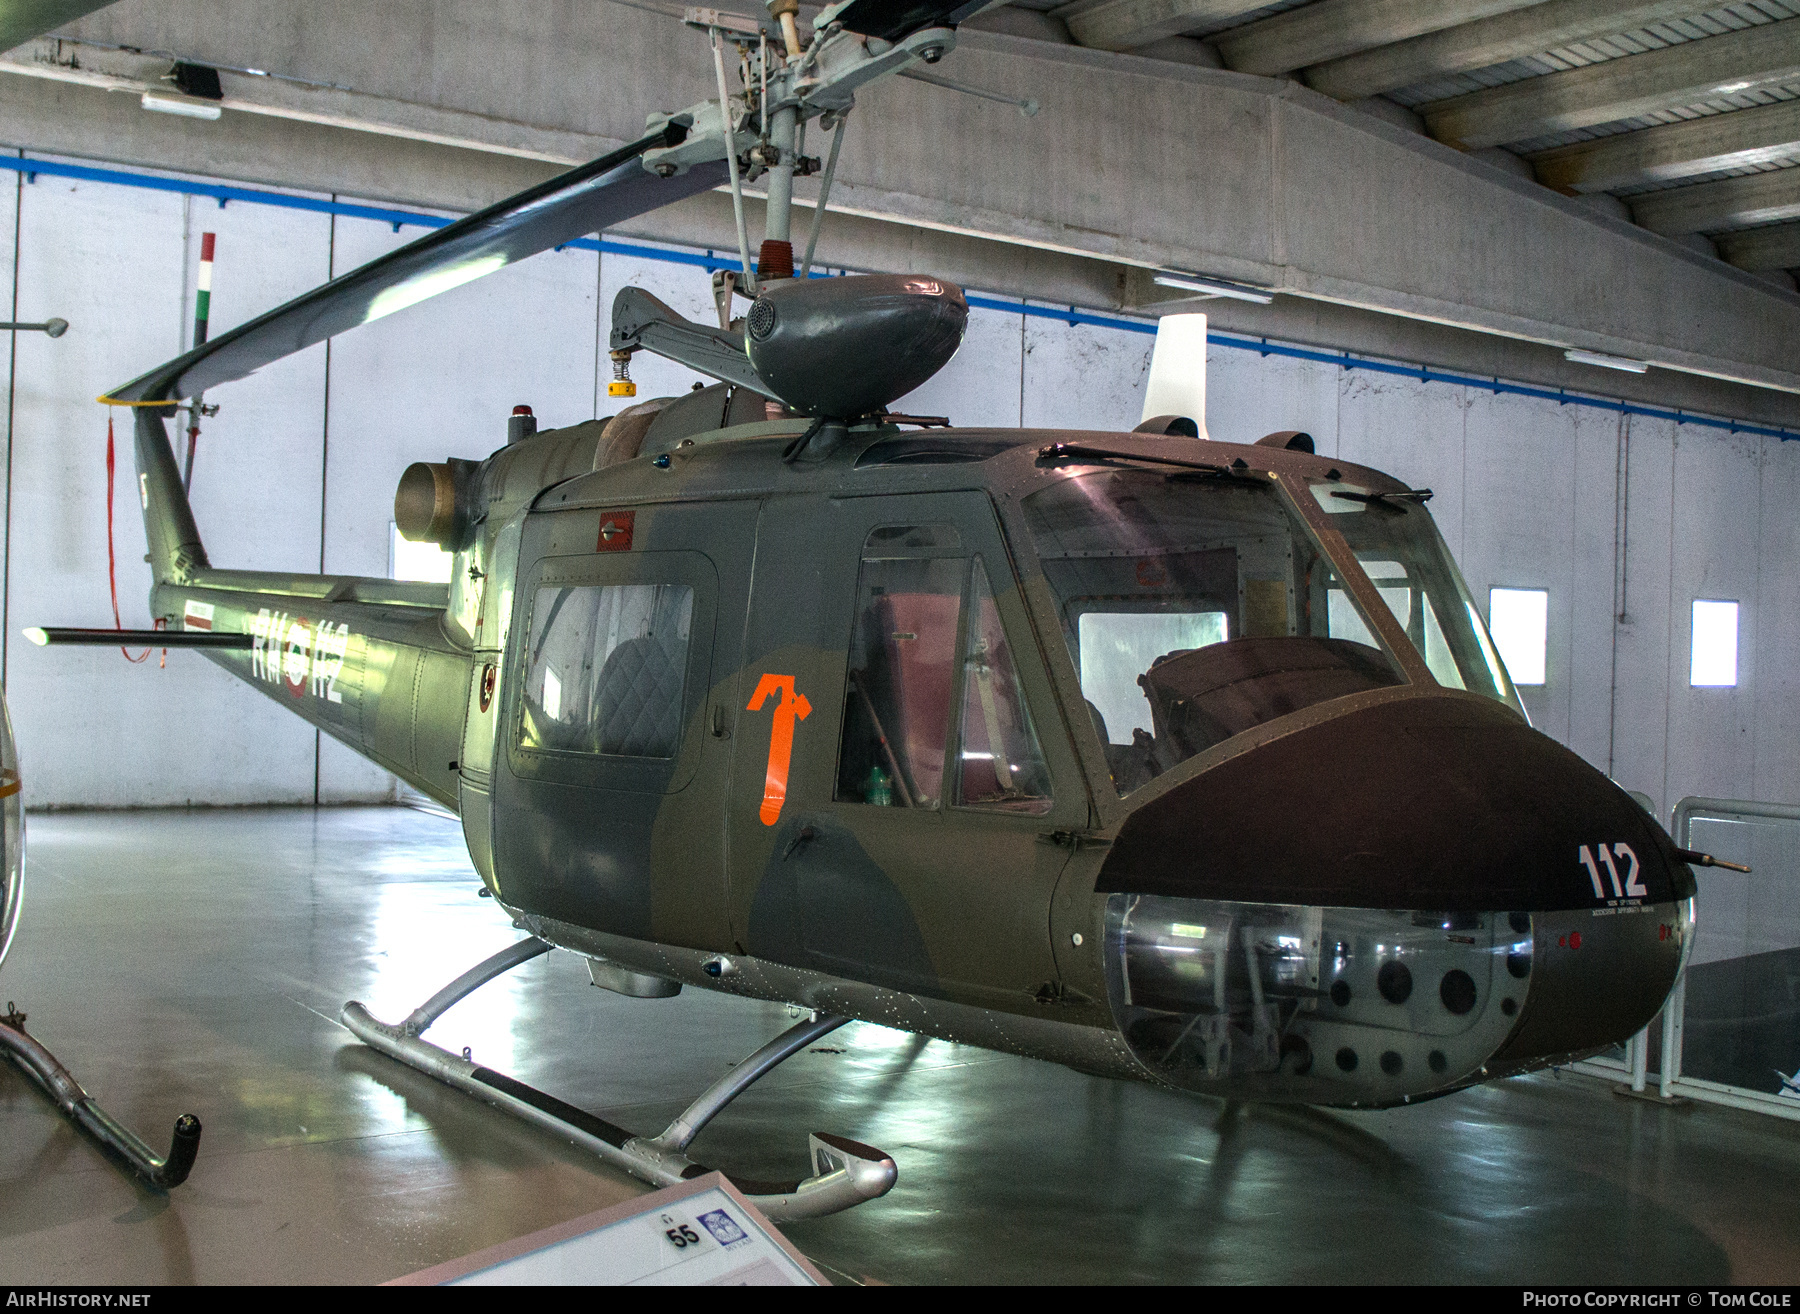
(1633, 888)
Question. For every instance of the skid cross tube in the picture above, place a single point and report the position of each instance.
(844, 1172)
(78, 1106)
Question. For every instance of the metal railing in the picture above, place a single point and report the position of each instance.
(1745, 963)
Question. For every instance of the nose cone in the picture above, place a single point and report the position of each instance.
(1388, 904)
(1444, 802)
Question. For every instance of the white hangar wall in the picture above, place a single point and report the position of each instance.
(1607, 513)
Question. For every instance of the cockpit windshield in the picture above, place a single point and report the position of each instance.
(1398, 546)
(1195, 606)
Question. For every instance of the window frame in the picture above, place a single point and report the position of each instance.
(987, 536)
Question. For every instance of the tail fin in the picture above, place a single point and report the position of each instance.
(176, 551)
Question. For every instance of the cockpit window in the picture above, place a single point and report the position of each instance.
(1399, 548)
(917, 597)
(1194, 609)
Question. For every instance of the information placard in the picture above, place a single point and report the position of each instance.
(703, 1233)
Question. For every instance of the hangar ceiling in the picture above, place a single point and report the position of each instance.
(1569, 174)
(1689, 115)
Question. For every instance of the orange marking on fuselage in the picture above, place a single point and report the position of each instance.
(792, 707)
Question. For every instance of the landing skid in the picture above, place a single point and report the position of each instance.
(845, 1173)
(51, 1077)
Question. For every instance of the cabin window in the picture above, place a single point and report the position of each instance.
(902, 673)
(1196, 607)
(606, 669)
(929, 660)
(1000, 764)
(1399, 548)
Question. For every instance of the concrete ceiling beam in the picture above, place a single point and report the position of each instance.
(1760, 198)
(1686, 74)
(1126, 24)
(1777, 247)
(1768, 134)
(1332, 28)
(1484, 43)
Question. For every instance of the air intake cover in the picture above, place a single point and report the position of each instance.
(846, 347)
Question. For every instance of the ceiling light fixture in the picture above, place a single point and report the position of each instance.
(1606, 362)
(1212, 287)
(181, 105)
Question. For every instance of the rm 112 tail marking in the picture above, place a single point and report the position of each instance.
(294, 652)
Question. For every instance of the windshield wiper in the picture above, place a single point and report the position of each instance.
(1417, 496)
(1205, 469)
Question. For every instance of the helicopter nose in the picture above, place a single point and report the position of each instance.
(1429, 840)
(1430, 801)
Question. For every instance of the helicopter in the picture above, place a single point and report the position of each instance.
(1167, 759)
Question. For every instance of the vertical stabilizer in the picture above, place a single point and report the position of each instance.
(169, 529)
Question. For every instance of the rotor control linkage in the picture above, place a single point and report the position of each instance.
(78, 1106)
(844, 1172)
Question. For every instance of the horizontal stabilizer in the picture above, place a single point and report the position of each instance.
(46, 636)
(584, 200)
(640, 320)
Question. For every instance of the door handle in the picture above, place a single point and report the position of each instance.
(719, 729)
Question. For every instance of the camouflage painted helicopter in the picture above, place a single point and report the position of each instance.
(1162, 758)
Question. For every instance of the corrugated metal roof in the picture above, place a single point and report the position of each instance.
(1242, 20)
(1714, 22)
(1625, 193)
(1705, 109)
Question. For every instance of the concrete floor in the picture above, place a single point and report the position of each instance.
(196, 961)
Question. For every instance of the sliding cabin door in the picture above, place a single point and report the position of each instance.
(621, 670)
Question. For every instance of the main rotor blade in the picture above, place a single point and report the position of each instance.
(893, 20)
(587, 199)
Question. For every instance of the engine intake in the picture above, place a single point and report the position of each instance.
(435, 502)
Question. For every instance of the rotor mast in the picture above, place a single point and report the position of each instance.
(776, 258)
(787, 81)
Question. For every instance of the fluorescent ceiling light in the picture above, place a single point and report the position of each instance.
(1213, 287)
(182, 105)
(1606, 362)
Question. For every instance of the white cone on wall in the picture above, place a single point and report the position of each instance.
(1177, 382)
